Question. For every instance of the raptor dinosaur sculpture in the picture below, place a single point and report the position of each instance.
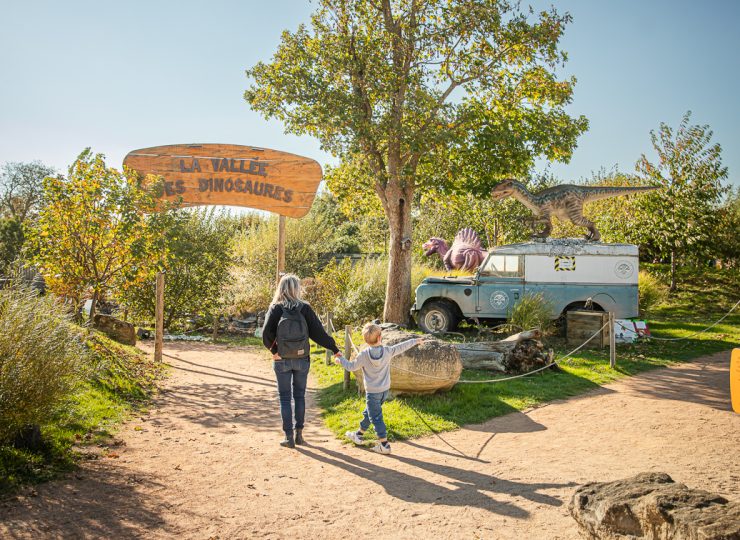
(465, 253)
(565, 202)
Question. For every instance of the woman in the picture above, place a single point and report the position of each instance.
(288, 324)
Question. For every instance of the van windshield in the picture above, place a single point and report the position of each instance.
(502, 266)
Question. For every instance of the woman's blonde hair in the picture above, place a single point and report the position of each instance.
(288, 292)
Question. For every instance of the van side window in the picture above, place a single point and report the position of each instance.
(503, 266)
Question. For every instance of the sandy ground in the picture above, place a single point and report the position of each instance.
(205, 463)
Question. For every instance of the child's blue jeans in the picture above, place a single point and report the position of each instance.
(374, 412)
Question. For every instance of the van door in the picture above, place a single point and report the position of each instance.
(500, 285)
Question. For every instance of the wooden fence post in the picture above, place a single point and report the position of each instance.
(347, 353)
(612, 342)
(159, 318)
(215, 327)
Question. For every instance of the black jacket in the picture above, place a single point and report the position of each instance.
(315, 330)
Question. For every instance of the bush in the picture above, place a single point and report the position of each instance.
(42, 359)
(354, 293)
(651, 292)
(534, 310)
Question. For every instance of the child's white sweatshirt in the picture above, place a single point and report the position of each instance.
(375, 363)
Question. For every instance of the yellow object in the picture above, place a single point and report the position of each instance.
(735, 380)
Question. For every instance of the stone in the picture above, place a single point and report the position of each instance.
(652, 506)
(143, 334)
(115, 329)
(29, 438)
(433, 366)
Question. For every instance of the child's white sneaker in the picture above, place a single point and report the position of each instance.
(382, 448)
(354, 436)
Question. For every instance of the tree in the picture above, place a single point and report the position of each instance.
(197, 262)
(98, 229)
(21, 188)
(680, 219)
(11, 242)
(403, 86)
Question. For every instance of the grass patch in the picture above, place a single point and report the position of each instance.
(124, 380)
(703, 299)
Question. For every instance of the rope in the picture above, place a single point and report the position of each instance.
(700, 331)
(500, 379)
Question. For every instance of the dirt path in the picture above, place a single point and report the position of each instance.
(205, 463)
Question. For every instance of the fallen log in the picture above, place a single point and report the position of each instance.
(519, 353)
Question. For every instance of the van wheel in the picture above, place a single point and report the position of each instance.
(437, 317)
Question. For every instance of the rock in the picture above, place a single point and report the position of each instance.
(652, 506)
(116, 329)
(143, 334)
(435, 358)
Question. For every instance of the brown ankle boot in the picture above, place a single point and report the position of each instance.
(299, 437)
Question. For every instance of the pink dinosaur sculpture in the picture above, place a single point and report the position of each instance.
(465, 254)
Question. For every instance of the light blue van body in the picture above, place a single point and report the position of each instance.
(570, 273)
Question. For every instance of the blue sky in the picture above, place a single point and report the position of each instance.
(125, 75)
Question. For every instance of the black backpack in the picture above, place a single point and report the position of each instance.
(292, 334)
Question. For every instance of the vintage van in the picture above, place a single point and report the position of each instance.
(570, 273)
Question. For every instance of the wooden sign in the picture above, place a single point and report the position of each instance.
(230, 174)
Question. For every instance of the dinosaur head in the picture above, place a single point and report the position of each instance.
(504, 189)
(435, 245)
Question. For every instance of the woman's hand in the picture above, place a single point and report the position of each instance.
(276, 356)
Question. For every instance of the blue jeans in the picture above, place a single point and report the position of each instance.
(374, 412)
(292, 377)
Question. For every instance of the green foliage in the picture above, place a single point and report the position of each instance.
(197, 262)
(98, 228)
(679, 220)
(11, 242)
(42, 359)
(726, 245)
(353, 292)
(533, 310)
(421, 94)
(120, 377)
(21, 189)
(652, 292)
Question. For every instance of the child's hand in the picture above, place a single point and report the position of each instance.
(338, 359)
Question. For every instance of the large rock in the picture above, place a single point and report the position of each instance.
(653, 506)
(116, 329)
(430, 367)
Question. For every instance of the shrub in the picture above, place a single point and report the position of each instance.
(534, 310)
(651, 292)
(42, 359)
(354, 293)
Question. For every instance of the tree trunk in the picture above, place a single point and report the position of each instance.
(397, 203)
(673, 271)
(92, 306)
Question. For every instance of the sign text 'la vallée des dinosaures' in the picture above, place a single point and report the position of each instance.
(234, 175)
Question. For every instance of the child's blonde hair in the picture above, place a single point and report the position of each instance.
(371, 333)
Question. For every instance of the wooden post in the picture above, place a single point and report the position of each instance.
(347, 353)
(215, 327)
(612, 342)
(159, 318)
(327, 327)
(281, 248)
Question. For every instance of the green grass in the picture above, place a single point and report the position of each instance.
(124, 382)
(702, 299)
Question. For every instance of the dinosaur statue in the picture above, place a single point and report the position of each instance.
(465, 254)
(564, 201)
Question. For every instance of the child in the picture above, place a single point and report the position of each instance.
(375, 362)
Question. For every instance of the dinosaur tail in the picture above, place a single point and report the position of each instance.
(596, 193)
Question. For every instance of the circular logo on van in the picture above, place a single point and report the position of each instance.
(624, 269)
(499, 300)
